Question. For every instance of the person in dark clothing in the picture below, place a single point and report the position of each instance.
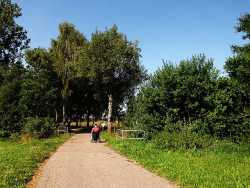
(95, 133)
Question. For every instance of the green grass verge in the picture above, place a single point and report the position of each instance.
(223, 165)
(18, 161)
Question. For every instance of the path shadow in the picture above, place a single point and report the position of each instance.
(99, 142)
(102, 141)
(80, 130)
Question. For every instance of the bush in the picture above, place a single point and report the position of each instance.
(4, 133)
(10, 114)
(39, 127)
(184, 139)
(15, 136)
(235, 127)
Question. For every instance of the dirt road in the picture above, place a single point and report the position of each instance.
(79, 164)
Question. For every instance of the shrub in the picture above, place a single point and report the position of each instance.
(183, 139)
(15, 136)
(39, 127)
(10, 113)
(4, 133)
(235, 127)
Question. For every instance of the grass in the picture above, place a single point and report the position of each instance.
(18, 161)
(223, 165)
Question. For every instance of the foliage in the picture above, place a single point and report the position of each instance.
(188, 93)
(78, 78)
(40, 92)
(39, 127)
(67, 50)
(18, 161)
(238, 66)
(116, 62)
(244, 26)
(178, 93)
(184, 89)
(229, 117)
(13, 38)
(184, 139)
(74, 73)
(10, 113)
(117, 68)
(28, 92)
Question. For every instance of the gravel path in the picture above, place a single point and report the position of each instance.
(79, 163)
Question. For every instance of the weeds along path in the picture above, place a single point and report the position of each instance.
(79, 163)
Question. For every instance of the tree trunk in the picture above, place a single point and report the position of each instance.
(68, 123)
(56, 115)
(63, 108)
(109, 114)
(87, 120)
(76, 122)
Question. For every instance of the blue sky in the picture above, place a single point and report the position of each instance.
(166, 29)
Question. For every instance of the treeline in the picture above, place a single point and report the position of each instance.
(78, 78)
(73, 79)
(191, 100)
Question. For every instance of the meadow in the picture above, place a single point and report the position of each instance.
(19, 160)
(222, 165)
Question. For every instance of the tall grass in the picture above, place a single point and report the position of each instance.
(18, 161)
(222, 165)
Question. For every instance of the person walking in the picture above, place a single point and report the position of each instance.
(95, 133)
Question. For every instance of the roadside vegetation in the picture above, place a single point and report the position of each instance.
(19, 159)
(74, 80)
(197, 121)
(189, 105)
(225, 164)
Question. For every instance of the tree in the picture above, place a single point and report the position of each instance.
(228, 117)
(116, 64)
(69, 51)
(40, 87)
(244, 26)
(10, 112)
(13, 38)
(185, 88)
(238, 66)
(83, 99)
(179, 93)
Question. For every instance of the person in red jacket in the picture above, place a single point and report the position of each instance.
(95, 133)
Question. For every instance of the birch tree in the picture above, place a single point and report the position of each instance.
(117, 66)
(69, 52)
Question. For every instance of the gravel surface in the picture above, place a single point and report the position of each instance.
(79, 163)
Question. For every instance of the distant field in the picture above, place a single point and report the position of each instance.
(223, 165)
(18, 161)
